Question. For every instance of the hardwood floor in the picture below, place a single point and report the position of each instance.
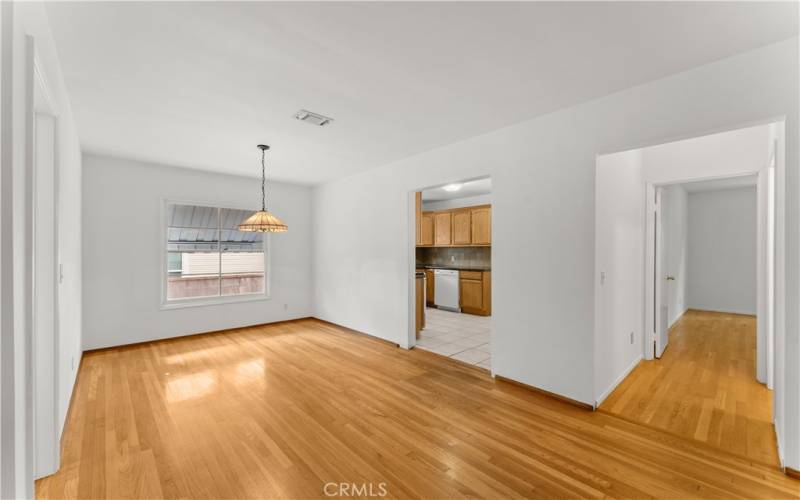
(282, 410)
(704, 387)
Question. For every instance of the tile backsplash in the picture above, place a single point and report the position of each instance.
(459, 256)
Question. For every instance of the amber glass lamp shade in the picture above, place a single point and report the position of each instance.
(263, 222)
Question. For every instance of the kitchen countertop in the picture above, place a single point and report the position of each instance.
(456, 267)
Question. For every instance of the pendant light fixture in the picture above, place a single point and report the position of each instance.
(263, 221)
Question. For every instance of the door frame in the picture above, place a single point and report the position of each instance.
(42, 398)
(654, 271)
(652, 310)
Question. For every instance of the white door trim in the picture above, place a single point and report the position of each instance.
(41, 228)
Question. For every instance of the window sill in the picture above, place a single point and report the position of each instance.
(213, 301)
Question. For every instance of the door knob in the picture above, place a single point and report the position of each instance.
(670, 278)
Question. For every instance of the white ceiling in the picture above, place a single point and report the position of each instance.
(199, 84)
(470, 188)
(718, 184)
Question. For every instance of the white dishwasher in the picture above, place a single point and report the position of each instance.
(445, 289)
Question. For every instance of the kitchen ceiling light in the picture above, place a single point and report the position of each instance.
(452, 187)
(263, 221)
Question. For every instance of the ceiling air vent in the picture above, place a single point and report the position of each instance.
(312, 118)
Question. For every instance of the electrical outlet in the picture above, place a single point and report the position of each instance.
(72, 363)
(602, 277)
(631, 337)
(286, 307)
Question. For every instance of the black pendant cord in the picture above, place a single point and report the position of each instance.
(263, 182)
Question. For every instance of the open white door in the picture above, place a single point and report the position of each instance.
(660, 283)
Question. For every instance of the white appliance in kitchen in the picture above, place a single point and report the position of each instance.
(445, 289)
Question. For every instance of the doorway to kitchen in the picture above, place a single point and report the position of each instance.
(453, 279)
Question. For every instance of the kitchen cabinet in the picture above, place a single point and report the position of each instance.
(462, 227)
(481, 222)
(443, 228)
(426, 229)
(475, 292)
(429, 287)
(420, 304)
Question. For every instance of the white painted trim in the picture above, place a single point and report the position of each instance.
(679, 316)
(8, 416)
(166, 305)
(45, 430)
(41, 79)
(411, 287)
(213, 301)
(727, 311)
(29, 362)
(648, 330)
(650, 314)
(603, 395)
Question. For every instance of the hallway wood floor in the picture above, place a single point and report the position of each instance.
(281, 410)
(704, 387)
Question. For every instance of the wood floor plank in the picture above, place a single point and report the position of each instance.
(279, 411)
(704, 387)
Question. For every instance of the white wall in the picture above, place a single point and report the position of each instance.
(619, 256)
(674, 214)
(543, 216)
(122, 224)
(722, 250)
(735, 152)
(467, 201)
(22, 19)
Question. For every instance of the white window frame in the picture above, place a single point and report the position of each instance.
(219, 299)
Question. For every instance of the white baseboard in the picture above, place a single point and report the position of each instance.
(602, 397)
(778, 441)
(678, 317)
(720, 310)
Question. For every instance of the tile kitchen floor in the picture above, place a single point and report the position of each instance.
(464, 337)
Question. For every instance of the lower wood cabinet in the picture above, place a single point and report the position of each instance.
(420, 305)
(475, 294)
(429, 287)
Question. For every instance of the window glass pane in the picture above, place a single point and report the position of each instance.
(242, 255)
(192, 252)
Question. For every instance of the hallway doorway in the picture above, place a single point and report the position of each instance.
(688, 278)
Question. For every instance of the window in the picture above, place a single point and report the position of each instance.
(208, 257)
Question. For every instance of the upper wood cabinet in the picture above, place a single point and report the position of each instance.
(481, 220)
(469, 226)
(426, 229)
(443, 228)
(461, 227)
